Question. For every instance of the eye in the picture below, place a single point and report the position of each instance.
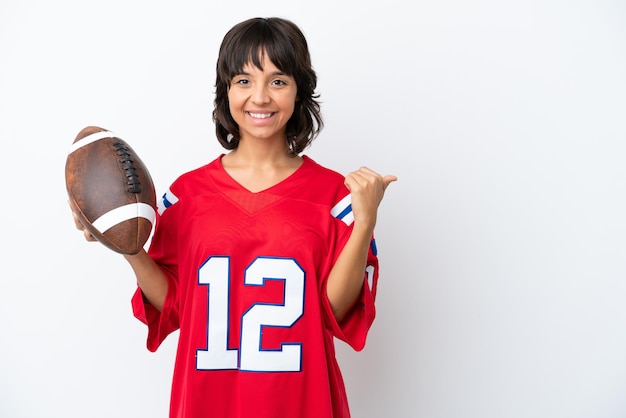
(240, 80)
(279, 82)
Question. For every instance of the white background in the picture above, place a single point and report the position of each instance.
(502, 246)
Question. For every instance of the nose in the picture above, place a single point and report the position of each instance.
(260, 94)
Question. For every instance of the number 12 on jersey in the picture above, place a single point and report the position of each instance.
(215, 274)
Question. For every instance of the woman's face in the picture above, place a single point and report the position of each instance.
(262, 101)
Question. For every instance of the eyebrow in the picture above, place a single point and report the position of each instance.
(275, 73)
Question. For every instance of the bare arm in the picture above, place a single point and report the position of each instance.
(346, 278)
(150, 278)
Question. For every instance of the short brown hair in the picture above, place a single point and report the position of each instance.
(287, 48)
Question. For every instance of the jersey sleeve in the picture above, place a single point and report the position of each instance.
(163, 251)
(353, 329)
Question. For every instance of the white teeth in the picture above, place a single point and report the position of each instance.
(260, 115)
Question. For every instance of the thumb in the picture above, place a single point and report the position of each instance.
(388, 179)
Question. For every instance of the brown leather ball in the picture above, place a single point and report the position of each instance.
(111, 190)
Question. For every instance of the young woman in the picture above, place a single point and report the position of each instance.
(262, 257)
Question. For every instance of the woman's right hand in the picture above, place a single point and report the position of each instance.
(79, 224)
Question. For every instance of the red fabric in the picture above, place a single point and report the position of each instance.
(247, 274)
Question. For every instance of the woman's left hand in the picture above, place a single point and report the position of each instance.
(367, 188)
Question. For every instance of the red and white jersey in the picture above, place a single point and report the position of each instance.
(247, 289)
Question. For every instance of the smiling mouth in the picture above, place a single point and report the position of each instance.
(260, 115)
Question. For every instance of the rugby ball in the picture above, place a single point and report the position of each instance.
(110, 190)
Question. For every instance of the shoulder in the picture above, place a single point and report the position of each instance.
(199, 174)
(329, 189)
(324, 179)
(188, 183)
(321, 177)
(323, 172)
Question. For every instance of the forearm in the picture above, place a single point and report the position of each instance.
(150, 278)
(345, 281)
